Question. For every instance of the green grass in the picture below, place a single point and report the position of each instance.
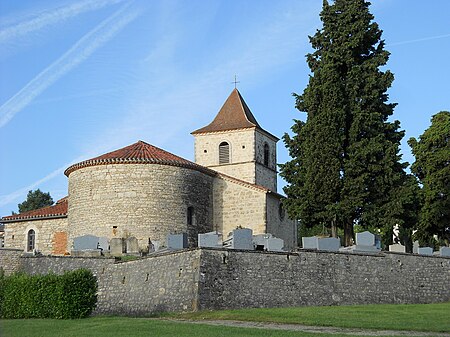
(132, 327)
(419, 317)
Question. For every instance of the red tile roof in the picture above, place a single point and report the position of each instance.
(56, 211)
(233, 115)
(139, 153)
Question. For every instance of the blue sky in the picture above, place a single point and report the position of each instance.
(81, 78)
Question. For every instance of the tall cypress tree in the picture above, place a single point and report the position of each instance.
(345, 158)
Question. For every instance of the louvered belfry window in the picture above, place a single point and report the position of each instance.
(224, 153)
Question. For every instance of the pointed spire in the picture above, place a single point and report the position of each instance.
(233, 115)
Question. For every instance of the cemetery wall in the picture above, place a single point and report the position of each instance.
(200, 279)
(10, 260)
(240, 279)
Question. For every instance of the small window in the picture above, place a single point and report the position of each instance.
(190, 216)
(281, 211)
(266, 154)
(30, 240)
(224, 153)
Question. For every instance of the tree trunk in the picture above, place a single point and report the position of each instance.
(348, 233)
(333, 229)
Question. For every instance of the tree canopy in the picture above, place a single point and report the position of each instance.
(432, 168)
(345, 163)
(35, 199)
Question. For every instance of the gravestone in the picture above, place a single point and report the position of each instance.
(132, 245)
(177, 241)
(240, 238)
(327, 244)
(365, 239)
(397, 248)
(416, 247)
(85, 242)
(274, 244)
(444, 251)
(211, 239)
(103, 244)
(117, 246)
(425, 251)
(268, 242)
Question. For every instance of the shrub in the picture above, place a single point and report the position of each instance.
(71, 295)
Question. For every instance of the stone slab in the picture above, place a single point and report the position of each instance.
(177, 241)
(132, 245)
(425, 251)
(103, 244)
(212, 240)
(397, 248)
(117, 246)
(444, 251)
(85, 242)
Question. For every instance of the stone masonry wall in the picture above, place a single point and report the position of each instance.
(266, 175)
(166, 282)
(239, 279)
(279, 224)
(147, 201)
(238, 205)
(242, 147)
(50, 233)
(201, 279)
(10, 261)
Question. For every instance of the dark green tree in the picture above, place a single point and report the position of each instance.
(345, 158)
(35, 199)
(432, 168)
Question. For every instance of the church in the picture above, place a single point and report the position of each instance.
(145, 192)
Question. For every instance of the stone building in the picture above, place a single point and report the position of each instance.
(145, 192)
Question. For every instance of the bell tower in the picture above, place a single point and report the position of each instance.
(236, 145)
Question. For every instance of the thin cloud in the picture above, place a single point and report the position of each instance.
(9, 198)
(79, 52)
(48, 18)
(419, 40)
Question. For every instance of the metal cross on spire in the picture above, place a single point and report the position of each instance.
(235, 81)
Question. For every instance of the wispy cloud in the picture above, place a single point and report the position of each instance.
(47, 18)
(419, 40)
(79, 52)
(11, 197)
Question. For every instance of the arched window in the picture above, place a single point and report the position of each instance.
(266, 154)
(224, 153)
(190, 216)
(31, 240)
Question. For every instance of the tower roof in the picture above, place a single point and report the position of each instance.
(138, 153)
(233, 115)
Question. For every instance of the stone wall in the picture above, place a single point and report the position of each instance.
(266, 175)
(60, 264)
(238, 205)
(242, 147)
(147, 201)
(278, 222)
(50, 235)
(201, 279)
(246, 155)
(10, 261)
(238, 279)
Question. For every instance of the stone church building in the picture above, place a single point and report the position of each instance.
(146, 192)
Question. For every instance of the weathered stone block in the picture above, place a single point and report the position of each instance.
(397, 248)
(132, 246)
(425, 251)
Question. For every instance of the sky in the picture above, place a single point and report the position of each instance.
(84, 77)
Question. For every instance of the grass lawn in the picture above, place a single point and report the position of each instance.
(419, 317)
(132, 327)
